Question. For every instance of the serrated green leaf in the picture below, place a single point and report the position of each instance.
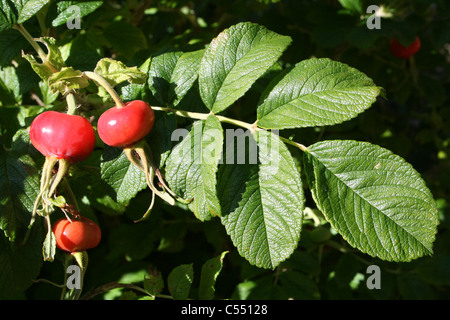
(184, 74)
(21, 263)
(116, 72)
(13, 12)
(19, 183)
(210, 271)
(154, 282)
(262, 202)
(125, 38)
(67, 79)
(180, 280)
(316, 92)
(117, 171)
(136, 91)
(65, 13)
(192, 166)
(234, 60)
(54, 60)
(373, 198)
(10, 86)
(160, 76)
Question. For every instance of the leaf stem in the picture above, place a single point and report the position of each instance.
(35, 46)
(202, 116)
(105, 84)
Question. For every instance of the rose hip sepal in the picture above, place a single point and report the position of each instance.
(124, 126)
(76, 235)
(63, 139)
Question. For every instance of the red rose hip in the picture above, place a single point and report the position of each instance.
(76, 235)
(123, 126)
(400, 51)
(65, 136)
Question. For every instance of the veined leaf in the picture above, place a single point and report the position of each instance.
(192, 166)
(373, 198)
(210, 271)
(234, 60)
(116, 72)
(66, 12)
(262, 202)
(172, 74)
(121, 175)
(67, 79)
(55, 61)
(18, 11)
(316, 92)
(180, 280)
(19, 185)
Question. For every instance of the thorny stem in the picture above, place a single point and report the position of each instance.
(203, 116)
(100, 80)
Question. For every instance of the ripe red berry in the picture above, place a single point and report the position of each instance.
(76, 235)
(122, 127)
(400, 51)
(64, 136)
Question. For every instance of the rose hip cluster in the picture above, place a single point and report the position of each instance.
(67, 139)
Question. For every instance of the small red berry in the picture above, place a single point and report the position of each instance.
(62, 135)
(76, 235)
(122, 127)
(400, 51)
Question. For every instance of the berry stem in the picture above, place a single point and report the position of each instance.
(71, 104)
(105, 84)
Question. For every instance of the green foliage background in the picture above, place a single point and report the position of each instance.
(413, 122)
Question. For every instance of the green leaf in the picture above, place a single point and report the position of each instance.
(65, 12)
(373, 198)
(125, 38)
(136, 91)
(316, 92)
(67, 79)
(54, 60)
(117, 171)
(21, 264)
(13, 12)
(116, 72)
(180, 280)
(154, 283)
(9, 86)
(184, 74)
(210, 271)
(19, 182)
(234, 60)
(353, 6)
(262, 202)
(192, 166)
(172, 74)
